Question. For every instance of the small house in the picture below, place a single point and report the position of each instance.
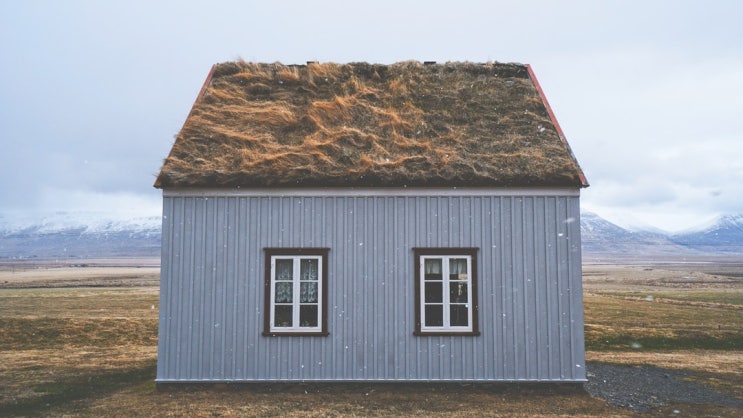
(364, 222)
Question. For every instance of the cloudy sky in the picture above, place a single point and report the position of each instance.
(649, 93)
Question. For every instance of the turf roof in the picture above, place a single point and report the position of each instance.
(368, 125)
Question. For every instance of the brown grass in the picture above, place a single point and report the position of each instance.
(369, 401)
(406, 124)
(677, 317)
(95, 353)
(91, 352)
(648, 308)
(698, 361)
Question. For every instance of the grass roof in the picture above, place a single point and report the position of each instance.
(353, 125)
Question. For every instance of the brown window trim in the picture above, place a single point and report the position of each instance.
(445, 251)
(270, 252)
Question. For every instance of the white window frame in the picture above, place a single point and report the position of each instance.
(445, 255)
(296, 256)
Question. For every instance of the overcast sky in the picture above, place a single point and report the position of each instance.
(649, 93)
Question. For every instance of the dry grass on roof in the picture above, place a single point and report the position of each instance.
(455, 124)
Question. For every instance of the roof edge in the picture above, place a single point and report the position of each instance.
(202, 192)
(205, 85)
(560, 133)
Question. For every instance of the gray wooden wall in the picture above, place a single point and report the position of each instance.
(530, 294)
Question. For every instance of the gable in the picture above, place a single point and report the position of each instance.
(368, 125)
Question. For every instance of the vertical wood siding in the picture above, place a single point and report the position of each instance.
(530, 295)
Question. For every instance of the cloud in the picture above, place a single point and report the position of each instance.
(656, 132)
(648, 93)
(113, 204)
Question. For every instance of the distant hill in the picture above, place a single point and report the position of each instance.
(95, 235)
(725, 235)
(79, 235)
(602, 238)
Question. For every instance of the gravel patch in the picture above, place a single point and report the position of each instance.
(642, 388)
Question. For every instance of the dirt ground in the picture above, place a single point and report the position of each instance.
(691, 276)
(134, 272)
(80, 339)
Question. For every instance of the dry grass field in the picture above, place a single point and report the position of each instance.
(81, 341)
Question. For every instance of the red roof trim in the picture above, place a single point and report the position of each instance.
(583, 180)
(206, 85)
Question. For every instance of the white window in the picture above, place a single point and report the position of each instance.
(446, 291)
(296, 285)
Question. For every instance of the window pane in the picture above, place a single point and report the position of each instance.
(282, 316)
(458, 315)
(458, 292)
(308, 316)
(284, 269)
(308, 269)
(434, 315)
(283, 292)
(308, 292)
(434, 292)
(458, 269)
(432, 269)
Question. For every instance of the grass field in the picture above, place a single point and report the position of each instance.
(90, 350)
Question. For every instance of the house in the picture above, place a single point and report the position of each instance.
(360, 222)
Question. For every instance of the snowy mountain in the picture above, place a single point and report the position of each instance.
(78, 235)
(603, 238)
(90, 235)
(725, 235)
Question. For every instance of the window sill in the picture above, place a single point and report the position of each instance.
(446, 333)
(295, 334)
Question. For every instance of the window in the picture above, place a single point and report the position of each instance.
(446, 291)
(296, 291)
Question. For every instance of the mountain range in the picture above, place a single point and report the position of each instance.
(601, 238)
(78, 235)
(93, 235)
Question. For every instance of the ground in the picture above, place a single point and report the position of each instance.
(662, 339)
